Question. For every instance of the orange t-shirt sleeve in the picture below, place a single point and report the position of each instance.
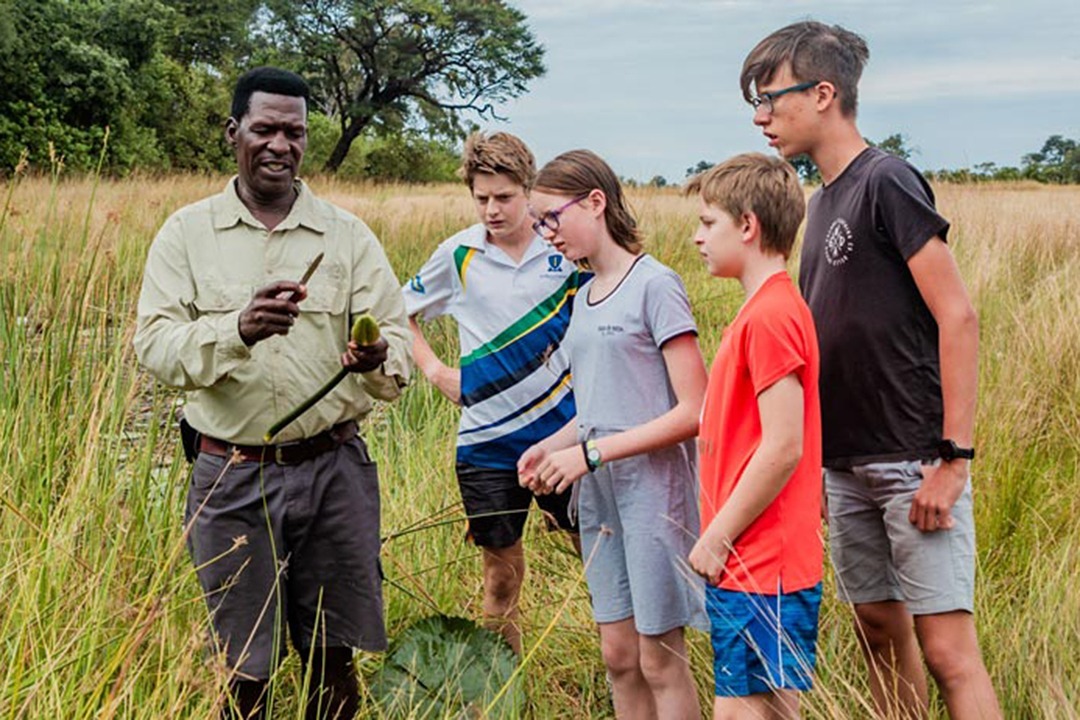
(774, 346)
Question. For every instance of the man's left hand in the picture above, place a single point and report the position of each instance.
(364, 358)
(931, 508)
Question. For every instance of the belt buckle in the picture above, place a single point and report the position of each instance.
(279, 457)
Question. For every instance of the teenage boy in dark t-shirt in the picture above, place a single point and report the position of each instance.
(899, 364)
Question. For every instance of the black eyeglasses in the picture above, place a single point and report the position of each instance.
(765, 100)
(550, 219)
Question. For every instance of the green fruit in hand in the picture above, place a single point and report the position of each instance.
(365, 331)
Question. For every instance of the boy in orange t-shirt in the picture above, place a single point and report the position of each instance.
(760, 447)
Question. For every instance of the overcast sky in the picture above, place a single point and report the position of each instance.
(652, 85)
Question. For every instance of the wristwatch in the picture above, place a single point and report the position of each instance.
(948, 450)
(593, 461)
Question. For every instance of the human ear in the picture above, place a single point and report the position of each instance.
(749, 226)
(231, 126)
(825, 94)
(597, 201)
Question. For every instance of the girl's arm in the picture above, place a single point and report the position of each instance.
(564, 437)
(686, 372)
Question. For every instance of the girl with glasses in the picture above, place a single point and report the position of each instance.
(628, 457)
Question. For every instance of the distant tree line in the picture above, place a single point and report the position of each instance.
(1058, 162)
(396, 82)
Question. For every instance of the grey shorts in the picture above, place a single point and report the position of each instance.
(639, 521)
(879, 555)
(293, 545)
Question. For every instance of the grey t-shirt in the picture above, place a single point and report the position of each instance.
(620, 379)
(880, 377)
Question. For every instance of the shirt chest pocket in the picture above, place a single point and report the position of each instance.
(327, 294)
(217, 298)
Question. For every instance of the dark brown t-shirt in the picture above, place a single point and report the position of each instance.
(880, 375)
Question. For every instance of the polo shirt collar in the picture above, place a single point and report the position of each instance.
(476, 239)
(229, 209)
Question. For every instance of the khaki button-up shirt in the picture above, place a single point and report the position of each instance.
(202, 270)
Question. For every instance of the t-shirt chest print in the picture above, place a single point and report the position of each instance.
(839, 242)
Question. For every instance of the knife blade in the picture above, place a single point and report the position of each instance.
(307, 275)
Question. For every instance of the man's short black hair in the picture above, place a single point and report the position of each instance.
(269, 80)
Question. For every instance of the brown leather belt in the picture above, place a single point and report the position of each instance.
(290, 453)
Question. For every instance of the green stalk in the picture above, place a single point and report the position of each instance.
(304, 406)
(365, 331)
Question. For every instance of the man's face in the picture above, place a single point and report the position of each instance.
(501, 204)
(787, 121)
(269, 141)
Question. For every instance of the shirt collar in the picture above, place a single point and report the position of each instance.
(229, 209)
(476, 239)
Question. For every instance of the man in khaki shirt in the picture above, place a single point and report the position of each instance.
(284, 535)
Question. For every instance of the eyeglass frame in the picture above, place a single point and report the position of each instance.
(767, 99)
(544, 220)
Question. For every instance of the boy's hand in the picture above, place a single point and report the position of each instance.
(708, 559)
(560, 470)
(931, 508)
(526, 468)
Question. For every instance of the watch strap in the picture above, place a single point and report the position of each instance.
(949, 450)
(593, 461)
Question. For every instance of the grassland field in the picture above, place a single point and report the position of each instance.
(100, 613)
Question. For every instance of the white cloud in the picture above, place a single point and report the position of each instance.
(991, 79)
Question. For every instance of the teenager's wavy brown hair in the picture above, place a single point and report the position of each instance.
(754, 183)
(578, 172)
(816, 52)
(497, 153)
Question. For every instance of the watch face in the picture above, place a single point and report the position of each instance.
(594, 456)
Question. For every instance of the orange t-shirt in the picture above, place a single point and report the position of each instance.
(773, 336)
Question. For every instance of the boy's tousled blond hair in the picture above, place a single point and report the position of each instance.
(754, 183)
(498, 153)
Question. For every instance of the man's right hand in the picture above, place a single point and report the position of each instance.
(272, 311)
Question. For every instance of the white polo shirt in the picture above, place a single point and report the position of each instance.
(511, 317)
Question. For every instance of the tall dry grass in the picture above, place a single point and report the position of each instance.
(100, 614)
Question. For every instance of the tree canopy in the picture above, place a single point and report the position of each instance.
(398, 74)
(396, 63)
(138, 67)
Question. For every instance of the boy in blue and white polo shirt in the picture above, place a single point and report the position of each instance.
(511, 295)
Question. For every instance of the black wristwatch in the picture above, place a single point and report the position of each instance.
(948, 450)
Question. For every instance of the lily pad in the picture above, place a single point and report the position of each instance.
(442, 667)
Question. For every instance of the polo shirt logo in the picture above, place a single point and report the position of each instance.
(417, 285)
(839, 243)
(555, 263)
